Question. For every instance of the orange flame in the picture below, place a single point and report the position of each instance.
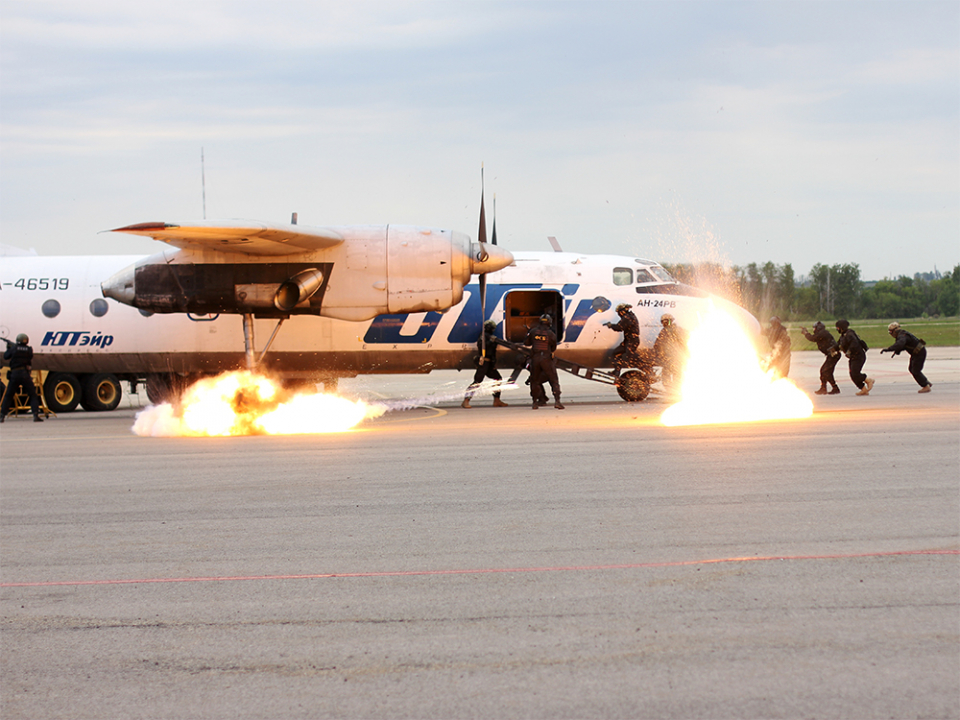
(723, 381)
(243, 403)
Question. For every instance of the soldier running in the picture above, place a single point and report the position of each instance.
(831, 350)
(918, 353)
(487, 366)
(856, 351)
(779, 358)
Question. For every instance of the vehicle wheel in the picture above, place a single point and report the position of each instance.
(62, 392)
(632, 386)
(101, 392)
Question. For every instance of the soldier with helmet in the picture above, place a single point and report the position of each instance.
(486, 366)
(779, 357)
(670, 349)
(543, 341)
(856, 351)
(20, 356)
(625, 355)
(828, 346)
(918, 353)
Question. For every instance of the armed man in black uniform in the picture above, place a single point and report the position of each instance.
(779, 357)
(20, 356)
(856, 351)
(543, 340)
(486, 367)
(625, 355)
(829, 347)
(918, 353)
(670, 350)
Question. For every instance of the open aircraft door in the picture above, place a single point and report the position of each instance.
(522, 310)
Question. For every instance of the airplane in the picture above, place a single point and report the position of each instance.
(355, 300)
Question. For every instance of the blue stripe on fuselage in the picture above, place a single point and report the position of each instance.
(385, 329)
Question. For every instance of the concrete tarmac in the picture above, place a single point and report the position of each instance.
(493, 562)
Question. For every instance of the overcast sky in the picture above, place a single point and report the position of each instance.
(791, 132)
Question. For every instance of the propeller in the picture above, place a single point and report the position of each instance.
(482, 239)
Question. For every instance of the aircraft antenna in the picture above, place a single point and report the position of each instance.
(203, 183)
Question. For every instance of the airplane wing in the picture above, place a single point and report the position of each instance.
(244, 236)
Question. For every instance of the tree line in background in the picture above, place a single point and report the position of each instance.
(828, 292)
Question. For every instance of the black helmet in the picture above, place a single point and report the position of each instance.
(666, 319)
(842, 325)
(623, 307)
(818, 325)
(774, 320)
(22, 339)
(489, 325)
(546, 319)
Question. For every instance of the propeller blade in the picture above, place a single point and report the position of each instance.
(482, 232)
(493, 239)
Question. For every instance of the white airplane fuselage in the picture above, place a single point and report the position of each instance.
(74, 329)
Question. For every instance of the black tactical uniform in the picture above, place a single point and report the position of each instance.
(829, 347)
(487, 367)
(625, 355)
(542, 365)
(20, 357)
(856, 351)
(779, 339)
(670, 349)
(917, 349)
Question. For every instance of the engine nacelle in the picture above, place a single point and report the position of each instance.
(374, 271)
(300, 288)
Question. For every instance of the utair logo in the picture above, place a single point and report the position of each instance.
(60, 338)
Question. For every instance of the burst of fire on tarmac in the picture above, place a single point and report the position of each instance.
(245, 403)
(724, 380)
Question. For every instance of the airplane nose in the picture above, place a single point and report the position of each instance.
(487, 258)
(120, 286)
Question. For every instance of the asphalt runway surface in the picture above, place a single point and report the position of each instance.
(493, 562)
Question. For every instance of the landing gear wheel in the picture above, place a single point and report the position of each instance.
(62, 392)
(633, 386)
(101, 392)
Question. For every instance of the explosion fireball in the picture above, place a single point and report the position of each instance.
(723, 381)
(244, 403)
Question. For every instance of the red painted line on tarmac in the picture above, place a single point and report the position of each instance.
(477, 571)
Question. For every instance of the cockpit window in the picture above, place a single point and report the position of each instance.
(644, 277)
(662, 274)
(622, 276)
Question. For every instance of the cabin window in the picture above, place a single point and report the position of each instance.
(622, 276)
(51, 308)
(99, 307)
(644, 277)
